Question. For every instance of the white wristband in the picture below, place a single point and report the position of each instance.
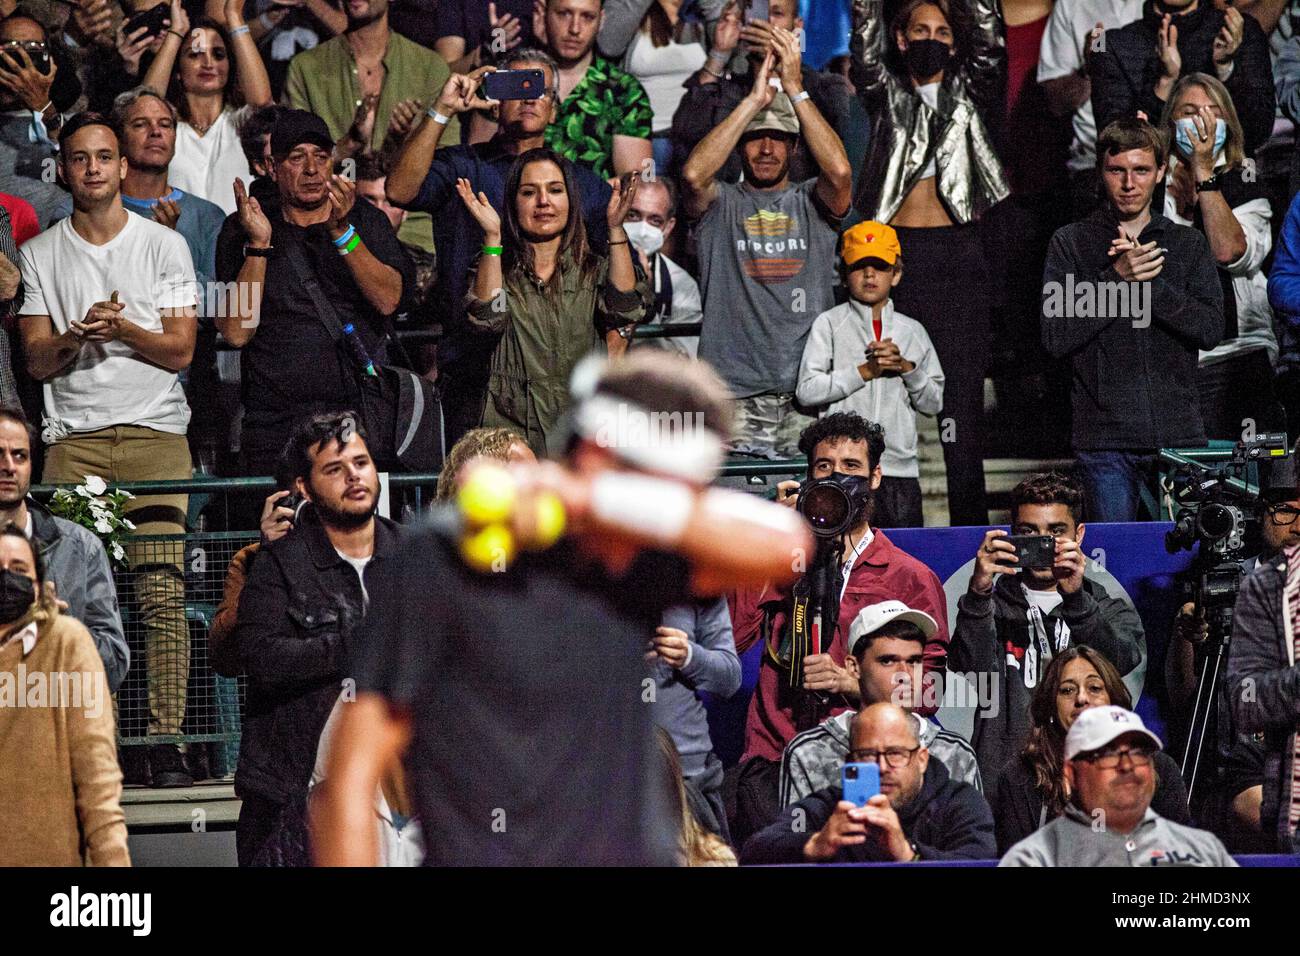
(437, 117)
(800, 97)
(654, 508)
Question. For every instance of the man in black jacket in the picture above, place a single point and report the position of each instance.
(1137, 65)
(1010, 625)
(1129, 297)
(299, 615)
(920, 813)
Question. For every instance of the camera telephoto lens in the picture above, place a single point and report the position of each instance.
(826, 506)
(1216, 521)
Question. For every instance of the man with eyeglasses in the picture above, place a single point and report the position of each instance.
(1109, 770)
(423, 177)
(28, 118)
(921, 813)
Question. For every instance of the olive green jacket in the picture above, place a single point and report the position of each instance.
(544, 335)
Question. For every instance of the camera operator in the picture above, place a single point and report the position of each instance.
(1241, 770)
(1012, 621)
(298, 615)
(846, 447)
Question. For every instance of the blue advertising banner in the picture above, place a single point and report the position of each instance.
(1128, 559)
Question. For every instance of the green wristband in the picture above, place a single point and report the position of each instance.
(493, 250)
(351, 244)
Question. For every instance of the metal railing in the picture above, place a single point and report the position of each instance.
(171, 694)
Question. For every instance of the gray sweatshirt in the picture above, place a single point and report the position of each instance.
(712, 666)
(828, 375)
(812, 759)
(1072, 839)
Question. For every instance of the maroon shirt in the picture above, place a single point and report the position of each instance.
(882, 573)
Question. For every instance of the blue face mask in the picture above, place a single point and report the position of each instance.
(1186, 128)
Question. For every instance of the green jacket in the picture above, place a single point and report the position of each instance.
(324, 81)
(543, 336)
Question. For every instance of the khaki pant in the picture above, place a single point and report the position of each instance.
(135, 453)
(768, 426)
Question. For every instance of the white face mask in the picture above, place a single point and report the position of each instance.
(647, 238)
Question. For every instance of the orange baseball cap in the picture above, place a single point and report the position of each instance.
(870, 240)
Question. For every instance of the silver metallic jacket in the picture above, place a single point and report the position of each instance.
(970, 178)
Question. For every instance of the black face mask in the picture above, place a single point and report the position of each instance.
(926, 57)
(858, 488)
(17, 592)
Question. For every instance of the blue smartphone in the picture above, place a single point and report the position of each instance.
(861, 782)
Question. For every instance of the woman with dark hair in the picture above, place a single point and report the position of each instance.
(1032, 789)
(541, 287)
(197, 80)
(932, 173)
(60, 784)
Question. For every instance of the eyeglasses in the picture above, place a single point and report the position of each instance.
(893, 757)
(1109, 758)
(1283, 515)
(31, 46)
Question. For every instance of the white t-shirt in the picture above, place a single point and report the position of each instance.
(206, 166)
(109, 383)
(1061, 54)
(662, 70)
(360, 565)
(929, 94)
(1045, 601)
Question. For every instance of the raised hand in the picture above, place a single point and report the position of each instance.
(94, 19)
(131, 48)
(234, 13)
(479, 207)
(460, 92)
(506, 30)
(1204, 124)
(343, 195)
(363, 121)
(1228, 40)
(539, 23)
(166, 212)
(1171, 61)
(251, 218)
(762, 92)
(620, 200)
(995, 556)
(403, 118)
(727, 33)
(180, 20)
(789, 60)
(19, 76)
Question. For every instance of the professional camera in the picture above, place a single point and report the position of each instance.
(833, 505)
(1216, 504)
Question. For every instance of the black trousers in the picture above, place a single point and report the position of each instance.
(945, 287)
(258, 817)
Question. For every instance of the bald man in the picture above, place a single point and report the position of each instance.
(921, 813)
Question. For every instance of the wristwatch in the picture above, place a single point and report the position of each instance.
(259, 253)
(1213, 184)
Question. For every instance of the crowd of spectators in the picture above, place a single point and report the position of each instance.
(1097, 195)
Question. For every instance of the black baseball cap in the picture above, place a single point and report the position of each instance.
(295, 127)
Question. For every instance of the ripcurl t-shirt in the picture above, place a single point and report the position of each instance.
(767, 269)
(109, 383)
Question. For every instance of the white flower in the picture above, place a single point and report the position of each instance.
(118, 553)
(130, 525)
(95, 485)
(81, 490)
(103, 526)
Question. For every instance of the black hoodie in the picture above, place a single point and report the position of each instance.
(947, 820)
(987, 625)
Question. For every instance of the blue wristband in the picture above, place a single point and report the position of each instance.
(342, 240)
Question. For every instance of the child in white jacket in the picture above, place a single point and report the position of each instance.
(864, 357)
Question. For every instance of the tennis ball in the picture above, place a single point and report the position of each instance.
(550, 520)
(488, 497)
(490, 549)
